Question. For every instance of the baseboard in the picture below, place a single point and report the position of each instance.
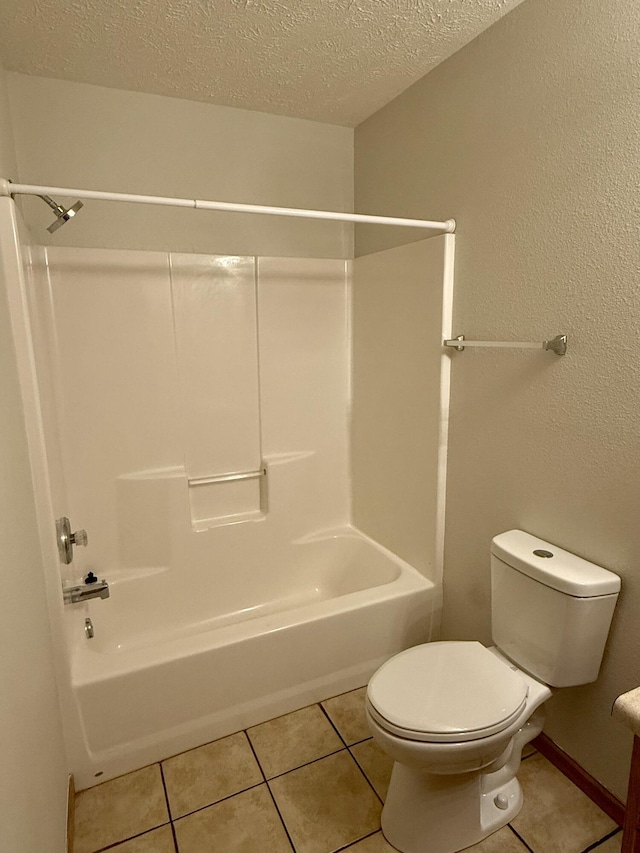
(603, 798)
(71, 810)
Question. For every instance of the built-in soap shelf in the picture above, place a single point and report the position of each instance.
(149, 502)
(234, 476)
(229, 498)
(201, 525)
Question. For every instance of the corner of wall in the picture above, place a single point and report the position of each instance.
(8, 159)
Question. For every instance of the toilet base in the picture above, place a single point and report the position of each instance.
(427, 813)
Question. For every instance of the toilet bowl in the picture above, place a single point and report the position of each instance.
(456, 736)
(454, 716)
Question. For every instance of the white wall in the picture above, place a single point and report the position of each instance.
(529, 137)
(78, 135)
(33, 779)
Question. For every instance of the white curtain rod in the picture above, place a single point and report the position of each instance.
(9, 188)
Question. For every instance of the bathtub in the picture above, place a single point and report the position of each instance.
(151, 683)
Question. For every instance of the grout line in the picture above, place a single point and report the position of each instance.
(265, 780)
(255, 754)
(597, 844)
(517, 834)
(184, 752)
(228, 797)
(358, 742)
(146, 831)
(221, 800)
(357, 841)
(132, 837)
(333, 725)
(353, 690)
(166, 796)
(275, 805)
(175, 838)
(369, 782)
(307, 763)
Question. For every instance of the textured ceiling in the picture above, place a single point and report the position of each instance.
(335, 61)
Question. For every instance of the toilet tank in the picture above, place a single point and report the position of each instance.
(550, 610)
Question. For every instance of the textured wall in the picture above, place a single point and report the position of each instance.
(530, 138)
(7, 147)
(316, 59)
(76, 135)
(397, 325)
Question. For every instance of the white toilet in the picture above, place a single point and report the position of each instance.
(454, 716)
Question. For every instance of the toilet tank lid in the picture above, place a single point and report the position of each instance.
(562, 570)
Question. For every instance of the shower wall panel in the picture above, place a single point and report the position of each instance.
(44, 349)
(169, 368)
(214, 301)
(304, 376)
(215, 315)
(117, 379)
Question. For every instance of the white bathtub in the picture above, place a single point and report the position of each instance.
(151, 683)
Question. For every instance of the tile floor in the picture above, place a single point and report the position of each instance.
(311, 782)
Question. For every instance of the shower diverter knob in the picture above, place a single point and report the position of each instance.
(67, 539)
(79, 537)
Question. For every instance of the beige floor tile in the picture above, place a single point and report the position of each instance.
(528, 750)
(119, 809)
(156, 841)
(327, 804)
(293, 740)
(374, 844)
(347, 715)
(502, 841)
(611, 845)
(246, 823)
(556, 817)
(210, 773)
(376, 765)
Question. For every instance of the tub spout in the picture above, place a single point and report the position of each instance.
(75, 594)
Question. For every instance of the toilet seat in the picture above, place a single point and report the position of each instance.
(446, 692)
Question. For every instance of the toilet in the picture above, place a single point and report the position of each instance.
(455, 716)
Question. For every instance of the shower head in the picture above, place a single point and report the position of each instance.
(62, 214)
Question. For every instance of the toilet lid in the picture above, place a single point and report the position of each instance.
(444, 692)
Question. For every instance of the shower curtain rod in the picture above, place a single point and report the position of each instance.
(9, 188)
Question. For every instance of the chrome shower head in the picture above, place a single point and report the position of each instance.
(63, 214)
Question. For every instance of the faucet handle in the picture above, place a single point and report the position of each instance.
(67, 539)
(79, 538)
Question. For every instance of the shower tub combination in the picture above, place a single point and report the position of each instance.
(214, 622)
(148, 687)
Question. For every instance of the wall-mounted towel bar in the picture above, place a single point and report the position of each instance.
(557, 345)
(227, 478)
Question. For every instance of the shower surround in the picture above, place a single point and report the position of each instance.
(147, 376)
